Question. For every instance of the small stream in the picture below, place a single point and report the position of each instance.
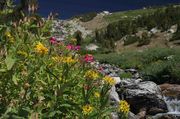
(173, 104)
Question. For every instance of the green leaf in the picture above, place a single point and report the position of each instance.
(9, 62)
(3, 70)
(53, 113)
(65, 105)
(15, 79)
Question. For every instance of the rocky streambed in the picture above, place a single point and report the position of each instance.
(147, 99)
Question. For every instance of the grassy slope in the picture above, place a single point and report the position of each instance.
(129, 14)
(101, 22)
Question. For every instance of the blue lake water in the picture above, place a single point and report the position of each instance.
(69, 8)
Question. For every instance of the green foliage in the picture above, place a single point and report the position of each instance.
(126, 75)
(131, 39)
(124, 60)
(175, 72)
(41, 80)
(145, 40)
(162, 18)
(158, 64)
(157, 71)
(129, 14)
(78, 36)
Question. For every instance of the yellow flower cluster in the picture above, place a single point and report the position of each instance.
(9, 36)
(124, 107)
(22, 53)
(41, 49)
(57, 59)
(97, 94)
(109, 80)
(87, 109)
(91, 74)
(68, 60)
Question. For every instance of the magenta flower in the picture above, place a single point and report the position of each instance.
(70, 47)
(78, 47)
(53, 40)
(88, 58)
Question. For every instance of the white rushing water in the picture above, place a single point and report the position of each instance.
(173, 105)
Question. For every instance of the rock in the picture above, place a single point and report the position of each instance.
(173, 29)
(155, 110)
(114, 115)
(141, 95)
(166, 116)
(117, 79)
(66, 27)
(132, 116)
(113, 74)
(142, 114)
(133, 71)
(170, 89)
(154, 30)
(114, 98)
(136, 76)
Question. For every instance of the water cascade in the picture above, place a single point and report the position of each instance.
(173, 104)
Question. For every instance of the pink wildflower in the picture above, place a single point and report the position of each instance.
(70, 47)
(88, 58)
(77, 47)
(53, 40)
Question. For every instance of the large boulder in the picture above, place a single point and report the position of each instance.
(142, 95)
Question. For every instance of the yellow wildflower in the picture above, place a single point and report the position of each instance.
(57, 58)
(124, 107)
(9, 37)
(87, 109)
(109, 80)
(22, 53)
(91, 74)
(41, 49)
(69, 60)
(97, 94)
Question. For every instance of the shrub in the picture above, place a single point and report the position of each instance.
(156, 54)
(175, 73)
(157, 71)
(78, 36)
(145, 40)
(126, 75)
(159, 64)
(131, 39)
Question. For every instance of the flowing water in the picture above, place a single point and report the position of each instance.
(173, 104)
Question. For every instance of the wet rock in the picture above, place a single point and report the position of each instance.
(166, 116)
(142, 114)
(132, 116)
(155, 110)
(114, 98)
(170, 89)
(141, 95)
